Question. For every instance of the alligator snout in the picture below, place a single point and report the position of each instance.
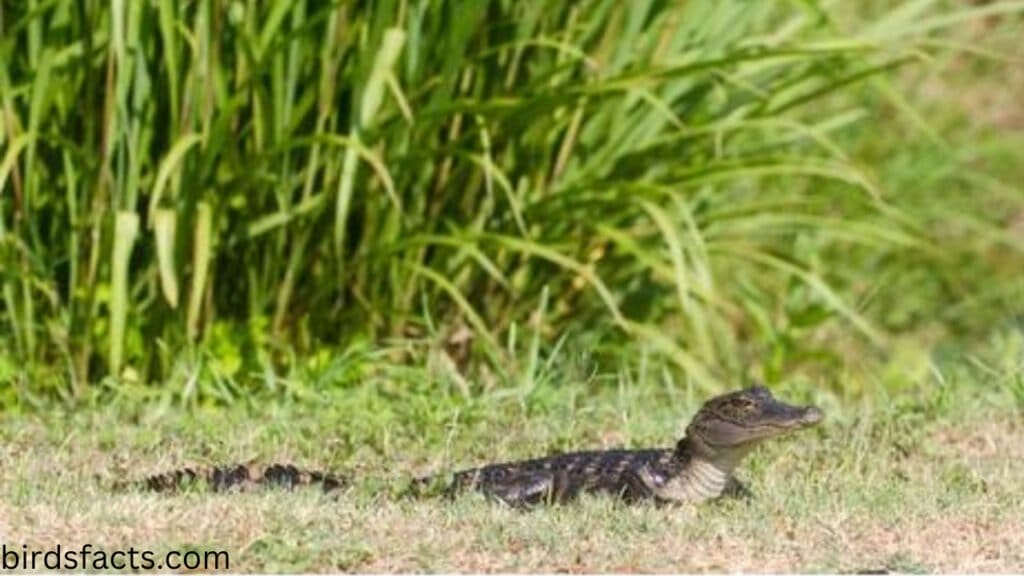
(812, 415)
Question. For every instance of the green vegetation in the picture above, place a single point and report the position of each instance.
(209, 197)
(391, 237)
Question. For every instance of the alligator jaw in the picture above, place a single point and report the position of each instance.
(788, 417)
(739, 421)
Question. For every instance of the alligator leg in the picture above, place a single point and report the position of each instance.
(736, 489)
(634, 486)
(560, 487)
(523, 490)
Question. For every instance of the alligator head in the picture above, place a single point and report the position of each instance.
(727, 427)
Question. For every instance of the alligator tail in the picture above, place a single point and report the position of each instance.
(240, 477)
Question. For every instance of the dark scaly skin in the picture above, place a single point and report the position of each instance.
(700, 466)
(725, 429)
(240, 477)
(564, 477)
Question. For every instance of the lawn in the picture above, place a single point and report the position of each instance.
(913, 483)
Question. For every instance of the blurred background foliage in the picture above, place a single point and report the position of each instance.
(212, 198)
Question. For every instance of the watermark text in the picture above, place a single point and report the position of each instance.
(90, 558)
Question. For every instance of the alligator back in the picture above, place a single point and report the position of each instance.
(560, 478)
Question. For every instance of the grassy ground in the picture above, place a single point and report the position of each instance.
(917, 468)
(918, 481)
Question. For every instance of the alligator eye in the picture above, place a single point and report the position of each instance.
(743, 403)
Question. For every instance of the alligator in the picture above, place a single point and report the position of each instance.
(698, 468)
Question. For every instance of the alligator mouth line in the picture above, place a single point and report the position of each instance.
(811, 416)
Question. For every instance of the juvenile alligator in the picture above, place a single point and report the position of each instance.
(700, 466)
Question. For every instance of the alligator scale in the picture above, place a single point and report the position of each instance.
(699, 467)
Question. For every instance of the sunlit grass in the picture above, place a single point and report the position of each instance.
(920, 482)
(207, 195)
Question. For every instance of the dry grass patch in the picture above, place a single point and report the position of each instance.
(948, 500)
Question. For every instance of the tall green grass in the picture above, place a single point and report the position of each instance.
(202, 191)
